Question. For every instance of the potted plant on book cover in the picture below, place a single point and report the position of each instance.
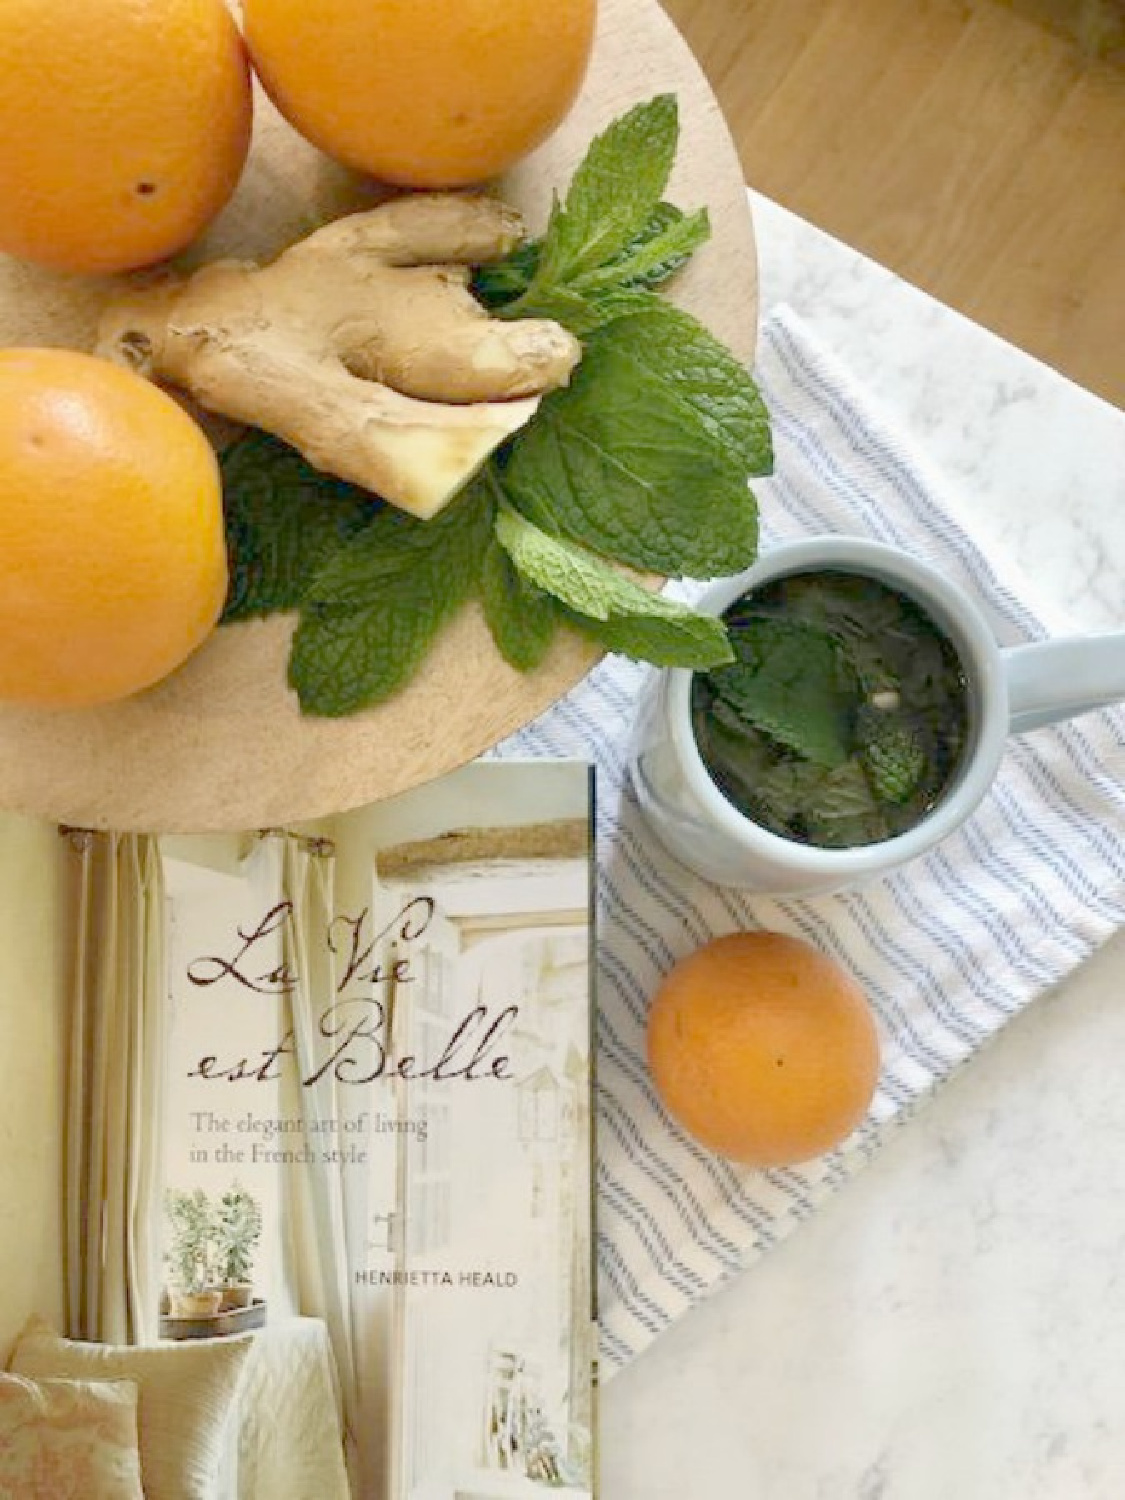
(190, 1254)
(238, 1228)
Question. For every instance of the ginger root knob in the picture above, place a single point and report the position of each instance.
(360, 346)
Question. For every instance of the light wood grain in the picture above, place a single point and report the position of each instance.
(978, 149)
(221, 744)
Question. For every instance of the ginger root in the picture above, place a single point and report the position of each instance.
(361, 346)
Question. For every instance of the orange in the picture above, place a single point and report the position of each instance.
(112, 557)
(435, 95)
(763, 1049)
(124, 126)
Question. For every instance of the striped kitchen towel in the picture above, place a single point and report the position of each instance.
(947, 950)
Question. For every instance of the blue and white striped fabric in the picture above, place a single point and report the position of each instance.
(947, 950)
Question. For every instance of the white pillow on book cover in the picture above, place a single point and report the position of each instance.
(185, 1395)
(68, 1440)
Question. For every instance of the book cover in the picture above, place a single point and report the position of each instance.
(309, 1162)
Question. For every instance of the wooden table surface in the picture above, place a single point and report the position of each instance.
(976, 148)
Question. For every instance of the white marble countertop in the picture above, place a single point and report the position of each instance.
(952, 1323)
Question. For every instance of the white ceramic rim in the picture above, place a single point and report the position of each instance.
(954, 614)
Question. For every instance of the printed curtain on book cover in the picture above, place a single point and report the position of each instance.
(115, 1078)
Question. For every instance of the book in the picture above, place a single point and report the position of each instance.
(317, 1101)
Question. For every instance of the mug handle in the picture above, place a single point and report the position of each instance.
(1053, 680)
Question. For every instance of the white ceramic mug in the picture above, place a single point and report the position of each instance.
(1010, 690)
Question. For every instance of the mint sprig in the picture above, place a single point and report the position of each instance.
(612, 194)
(643, 461)
(612, 238)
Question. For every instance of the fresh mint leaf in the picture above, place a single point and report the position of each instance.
(644, 456)
(372, 614)
(596, 297)
(344, 660)
(712, 387)
(605, 307)
(613, 192)
(680, 639)
(556, 566)
(522, 618)
(283, 518)
(579, 314)
(667, 243)
(790, 682)
(396, 543)
(608, 606)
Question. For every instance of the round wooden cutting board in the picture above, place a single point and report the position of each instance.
(221, 744)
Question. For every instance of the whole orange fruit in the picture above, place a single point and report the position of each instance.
(426, 95)
(112, 557)
(124, 127)
(763, 1049)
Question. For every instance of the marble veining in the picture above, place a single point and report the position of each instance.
(1036, 460)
